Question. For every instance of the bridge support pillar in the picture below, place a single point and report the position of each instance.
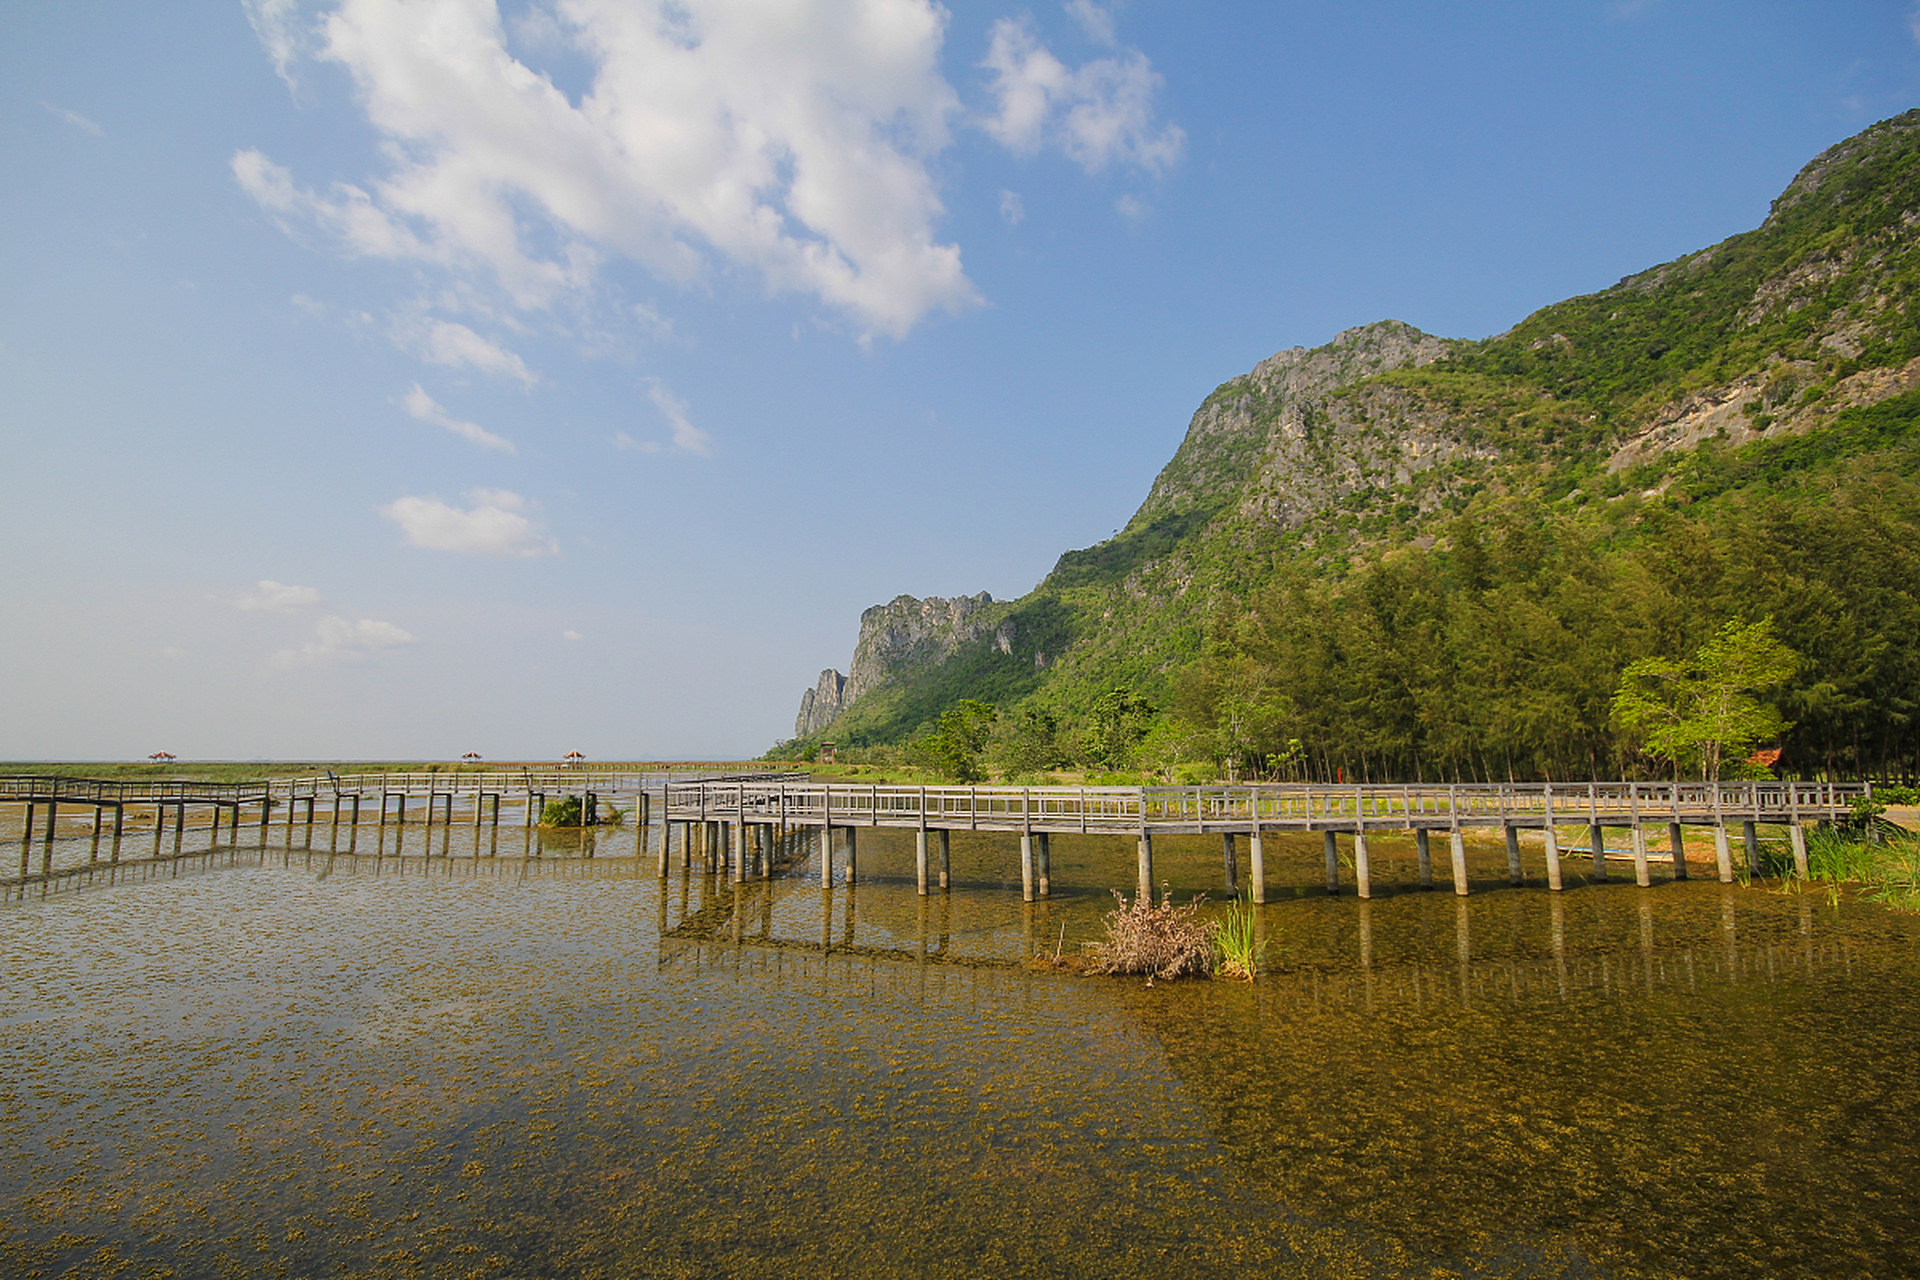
(946, 858)
(1553, 856)
(1044, 850)
(826, 856)
(1332, 843)
(1257, 857)
(1143, 886)
(1424, 856)
(1026, 866)
(737, 837)
(920, 861)
(1750, 833)
(1641, 876)
(1598, 844)
(1515, 873)
(1722, 853)
(1677, 841)
(1798, 835)
(1230, 863)
(853, 855)
(1362, 864)
(1457, 848)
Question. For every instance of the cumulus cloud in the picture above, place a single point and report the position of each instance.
(75, 119)
(277, 597)
(338, 640)
(685, 434)
(422, 406)
(1098, 114)
(793, 140)
(1095, 20)
(494, 524)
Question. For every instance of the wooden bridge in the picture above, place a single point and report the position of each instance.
(747, 822)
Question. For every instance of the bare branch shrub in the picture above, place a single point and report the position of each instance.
(1162, 941)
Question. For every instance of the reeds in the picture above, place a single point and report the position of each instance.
(1238, 949)
(1886, 866)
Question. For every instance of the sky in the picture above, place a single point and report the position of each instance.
(389, 379)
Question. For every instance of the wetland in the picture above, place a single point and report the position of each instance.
(430, 1058)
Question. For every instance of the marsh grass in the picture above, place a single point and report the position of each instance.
(1161, 941)
(1885, 864)
(1238, 951)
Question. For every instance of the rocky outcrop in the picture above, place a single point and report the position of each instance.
(905, 634)
(820, 704)
(1279, 436)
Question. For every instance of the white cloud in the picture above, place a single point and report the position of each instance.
(422, 406)
(1098, 115)
(792, 140)
(75, 119)
(447, 343)
(1913, 24)
(276, 25)
(493, 525)
(1012, 208)
(278, 597)
(621, 440)
(571, 635)
(685, 434)
(338, 640)
(1094, 20)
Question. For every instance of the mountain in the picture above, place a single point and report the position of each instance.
(1774, 371)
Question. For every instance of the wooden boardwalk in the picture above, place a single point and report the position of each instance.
(747, 822)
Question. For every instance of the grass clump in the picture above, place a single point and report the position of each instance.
(1237, 951)
(1885, 863)
(1161, 941)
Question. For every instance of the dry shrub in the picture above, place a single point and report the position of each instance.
(1162, 942)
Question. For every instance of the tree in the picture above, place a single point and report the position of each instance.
(1707, 708)
(959, 740)
(1120, 719)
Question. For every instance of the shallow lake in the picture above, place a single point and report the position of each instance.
(430, 1059)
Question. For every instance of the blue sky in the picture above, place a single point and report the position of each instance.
(387, 379)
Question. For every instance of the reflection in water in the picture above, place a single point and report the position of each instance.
(397, 1060)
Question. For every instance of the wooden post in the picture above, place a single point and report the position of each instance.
(1332, 843)
(1232, 862)
(1362, 866)
(1794, 832)
(920, 859)
(1553, 841)
(853, 855)
(1515, 874)
(1143, 887)
(946, 864)
(1044, 852)
(1026, 866)
(1258, 858)
(1424, 856)
(1677, 841)
(1457, 846)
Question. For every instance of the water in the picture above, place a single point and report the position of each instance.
(285, 1062)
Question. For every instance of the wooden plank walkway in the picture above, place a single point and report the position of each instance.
(746, 822)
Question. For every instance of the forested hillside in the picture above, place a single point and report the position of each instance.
(1403, 556)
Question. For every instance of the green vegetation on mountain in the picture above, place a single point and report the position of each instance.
(1404, 556)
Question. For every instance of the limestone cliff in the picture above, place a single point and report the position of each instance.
(906, 634)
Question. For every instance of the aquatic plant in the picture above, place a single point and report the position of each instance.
(1238, 951)
(1885, 864)
(1161, 941)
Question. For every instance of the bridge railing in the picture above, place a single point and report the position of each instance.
(1113, 809)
